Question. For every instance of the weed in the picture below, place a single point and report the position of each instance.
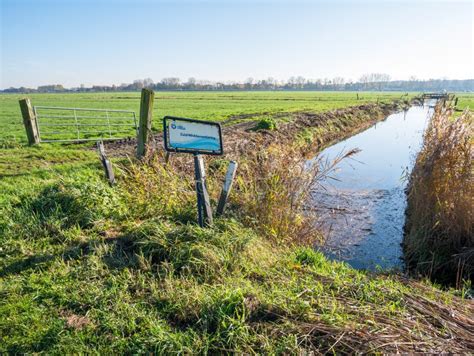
(267, 123)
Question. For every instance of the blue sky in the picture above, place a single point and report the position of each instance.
(77, 42)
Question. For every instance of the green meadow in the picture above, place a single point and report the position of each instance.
(216, 106)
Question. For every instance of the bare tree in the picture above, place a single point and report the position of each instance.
(138, 84)
(338, 83)
(171, 82)
(148, 82)
(300, 81)
(374, 80)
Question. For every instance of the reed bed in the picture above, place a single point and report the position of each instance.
(439, 234)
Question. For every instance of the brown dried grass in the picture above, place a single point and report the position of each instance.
(439, 240)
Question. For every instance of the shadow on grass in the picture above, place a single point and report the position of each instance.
(122, 256)
(30, 263)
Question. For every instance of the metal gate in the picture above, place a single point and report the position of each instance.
(59, 124)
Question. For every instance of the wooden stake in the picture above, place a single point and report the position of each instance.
(109, 173)
(167, 157)
(229, 180)
(29, 120)
(144, 125)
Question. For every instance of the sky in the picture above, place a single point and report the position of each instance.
(105, 42)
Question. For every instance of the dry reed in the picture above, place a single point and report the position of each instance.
(439, 240)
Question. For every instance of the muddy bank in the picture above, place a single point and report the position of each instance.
(313, 131)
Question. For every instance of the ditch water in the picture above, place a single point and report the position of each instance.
(362, 205)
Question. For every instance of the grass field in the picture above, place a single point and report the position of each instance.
(89, 268)
(465, 101)
(216, 106)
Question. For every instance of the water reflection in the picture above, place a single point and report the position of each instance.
(362, 206)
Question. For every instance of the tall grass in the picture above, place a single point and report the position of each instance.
(273, 189)
(439, 240)
(270, 191)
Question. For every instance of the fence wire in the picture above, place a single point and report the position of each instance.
(61, 124)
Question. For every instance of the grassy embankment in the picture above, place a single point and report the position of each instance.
(85, 267)
(439, 240)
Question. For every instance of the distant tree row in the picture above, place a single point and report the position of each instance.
(372, 81)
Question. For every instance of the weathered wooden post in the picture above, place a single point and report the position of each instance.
(167, 157)
(144, 125)
(29, 120)
(229, 180)
(109, 173)
(203, 202)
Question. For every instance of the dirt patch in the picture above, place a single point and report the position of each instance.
(74, 321)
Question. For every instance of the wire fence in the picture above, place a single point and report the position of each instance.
(60, 124)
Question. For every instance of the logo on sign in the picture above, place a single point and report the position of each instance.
(177, 127)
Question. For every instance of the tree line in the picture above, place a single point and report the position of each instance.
(368, 82)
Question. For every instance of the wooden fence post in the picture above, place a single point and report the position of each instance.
(229, 180)
(144, 125)
(29, 120)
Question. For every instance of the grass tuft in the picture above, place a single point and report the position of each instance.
(190, 250)
(267, 123)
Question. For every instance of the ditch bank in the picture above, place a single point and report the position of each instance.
(310, 131)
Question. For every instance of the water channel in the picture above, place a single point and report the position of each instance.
(362, 205)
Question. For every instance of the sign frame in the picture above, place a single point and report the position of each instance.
(168, 148)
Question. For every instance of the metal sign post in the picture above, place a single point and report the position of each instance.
(196, 137)
(203, 203)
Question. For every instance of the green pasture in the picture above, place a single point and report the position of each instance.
(465, 101)
(216, 106)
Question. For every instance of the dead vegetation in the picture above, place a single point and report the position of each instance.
(439, 240)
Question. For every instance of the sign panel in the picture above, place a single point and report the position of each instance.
(192, 136)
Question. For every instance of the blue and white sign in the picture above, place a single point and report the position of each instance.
(192, 136)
